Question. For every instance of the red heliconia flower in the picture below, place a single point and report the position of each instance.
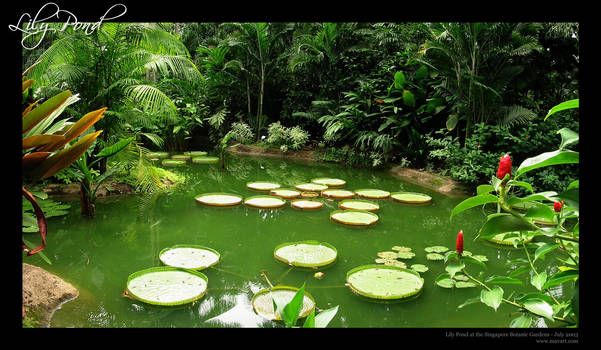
(459, 245)
(557, 206)
(504, 167)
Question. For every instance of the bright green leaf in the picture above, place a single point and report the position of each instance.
(492, 297)
(473, 202)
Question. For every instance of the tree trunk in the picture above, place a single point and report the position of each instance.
(260, 103)
(87, 207)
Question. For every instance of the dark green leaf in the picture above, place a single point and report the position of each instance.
(544, 249)
(503, 222)
(561, 277)
(502, 280)
(115, 148)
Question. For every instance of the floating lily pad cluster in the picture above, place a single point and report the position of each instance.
(180, 159)
(179, 281)
(391, 258)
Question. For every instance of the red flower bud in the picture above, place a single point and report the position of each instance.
(557, 206)
(459, 245)
(379, 100)
(504, 167)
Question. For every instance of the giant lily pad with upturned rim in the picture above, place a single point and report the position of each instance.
(218, 199)
(311, 254)
(337, 193)
(195, 153)
(189, 256)
(358, 204)
(371, 193)
(264, 202)
(262, 185)
(262, 302)
(354, 217)
(384, 282)
(411, 197)
(157, 155)
(173, 162)
(287, 193)
(330, 182)
(166, 286)
(310, 187)
(205, 160)
(306, 204)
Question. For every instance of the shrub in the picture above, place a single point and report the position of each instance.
(241, 132)
(286, 138)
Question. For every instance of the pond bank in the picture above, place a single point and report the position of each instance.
(443, 185)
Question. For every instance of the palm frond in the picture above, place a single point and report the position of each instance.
(510, 115)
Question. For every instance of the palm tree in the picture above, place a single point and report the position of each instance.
(257, 48)
(476, 62)
(116, 66)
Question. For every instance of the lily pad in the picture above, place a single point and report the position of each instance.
(358, 204)
(337, 193)
(157, 155)
(387, 255)
(264, 202)
(401, 248)
(262, 302)
(405, 255)
(167, 285)
(419, 268)
(285, 193)
(330, 182)
(436, 249)
(354, 217)
(205, 160)
(309, 194)
(306, 204)
(372, 193)
(192, 257)
(306, 254)
(262, 186)
(218, 199)
(384, 282)
(173, 162)
(396, 263)
(411, 197)
(195, 153)
(434, 256)
(311, 187)
(180, 156)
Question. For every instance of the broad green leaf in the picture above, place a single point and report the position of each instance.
(539, 307)
(563, 106)
(310, 321)
(293, 308)
(503, 280)
(41, 254)
(399, 80)
(452, 269)
(521, 184)
(473, 202)
(541, 211)
(42, 111)
(538, 281)
(444, 281)
(115, 148)
(522, 321)
(452, 122)
(571, 197)
(492, 297)
(323, 318)
(503, 222)
(408, 98)
(544, 249)
(547, 159)
(568, 137)
(561, 277)
(421, 72)
(473, 261)
(484, 189)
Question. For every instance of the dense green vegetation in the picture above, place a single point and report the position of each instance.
(447, 97)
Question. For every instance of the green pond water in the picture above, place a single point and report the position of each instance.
(127, 234)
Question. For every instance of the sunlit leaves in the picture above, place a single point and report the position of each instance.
(492, 297)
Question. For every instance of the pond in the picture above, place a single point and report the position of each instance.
(127, 234)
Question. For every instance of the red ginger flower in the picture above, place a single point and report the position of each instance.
(504, 167)
(459, 245)
(557, 206)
